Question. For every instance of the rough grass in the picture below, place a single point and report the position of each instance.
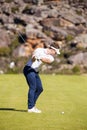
(66, 94)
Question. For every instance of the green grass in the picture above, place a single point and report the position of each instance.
(61, 93)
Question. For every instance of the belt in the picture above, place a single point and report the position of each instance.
(28, 69)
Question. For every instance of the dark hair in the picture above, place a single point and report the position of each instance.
(55, 45)
(34, 46)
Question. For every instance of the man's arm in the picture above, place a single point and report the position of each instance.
(47, 59)
(40, 54)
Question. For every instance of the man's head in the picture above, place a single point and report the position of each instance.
(52, 51)
(56, 50)
(55, 47)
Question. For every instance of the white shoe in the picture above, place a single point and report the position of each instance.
(34, 110)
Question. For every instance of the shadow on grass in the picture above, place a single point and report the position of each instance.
(12, 109)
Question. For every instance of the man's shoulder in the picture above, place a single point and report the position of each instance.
(39, 50)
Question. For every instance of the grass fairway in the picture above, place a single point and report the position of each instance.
(66, 94)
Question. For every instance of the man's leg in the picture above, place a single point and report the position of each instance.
(39, 88)
(31, 80)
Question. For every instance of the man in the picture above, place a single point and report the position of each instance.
(31, 69)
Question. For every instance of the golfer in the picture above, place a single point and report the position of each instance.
(31, 72)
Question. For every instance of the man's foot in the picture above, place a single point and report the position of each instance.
(34, 110)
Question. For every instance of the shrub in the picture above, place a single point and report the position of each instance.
(5, 51)
(14, 9)
(79, 12)
(8, 1)
(14, 44)
(48, 32)
(76, 69)
(69, 38)
(65, 71)
(85, 69)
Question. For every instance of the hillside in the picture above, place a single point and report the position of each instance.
(61, 22)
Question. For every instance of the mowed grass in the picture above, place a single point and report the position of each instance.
(62, 93)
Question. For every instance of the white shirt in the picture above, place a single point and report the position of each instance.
(38, 54)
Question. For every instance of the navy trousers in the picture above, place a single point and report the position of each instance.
(35, 85)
